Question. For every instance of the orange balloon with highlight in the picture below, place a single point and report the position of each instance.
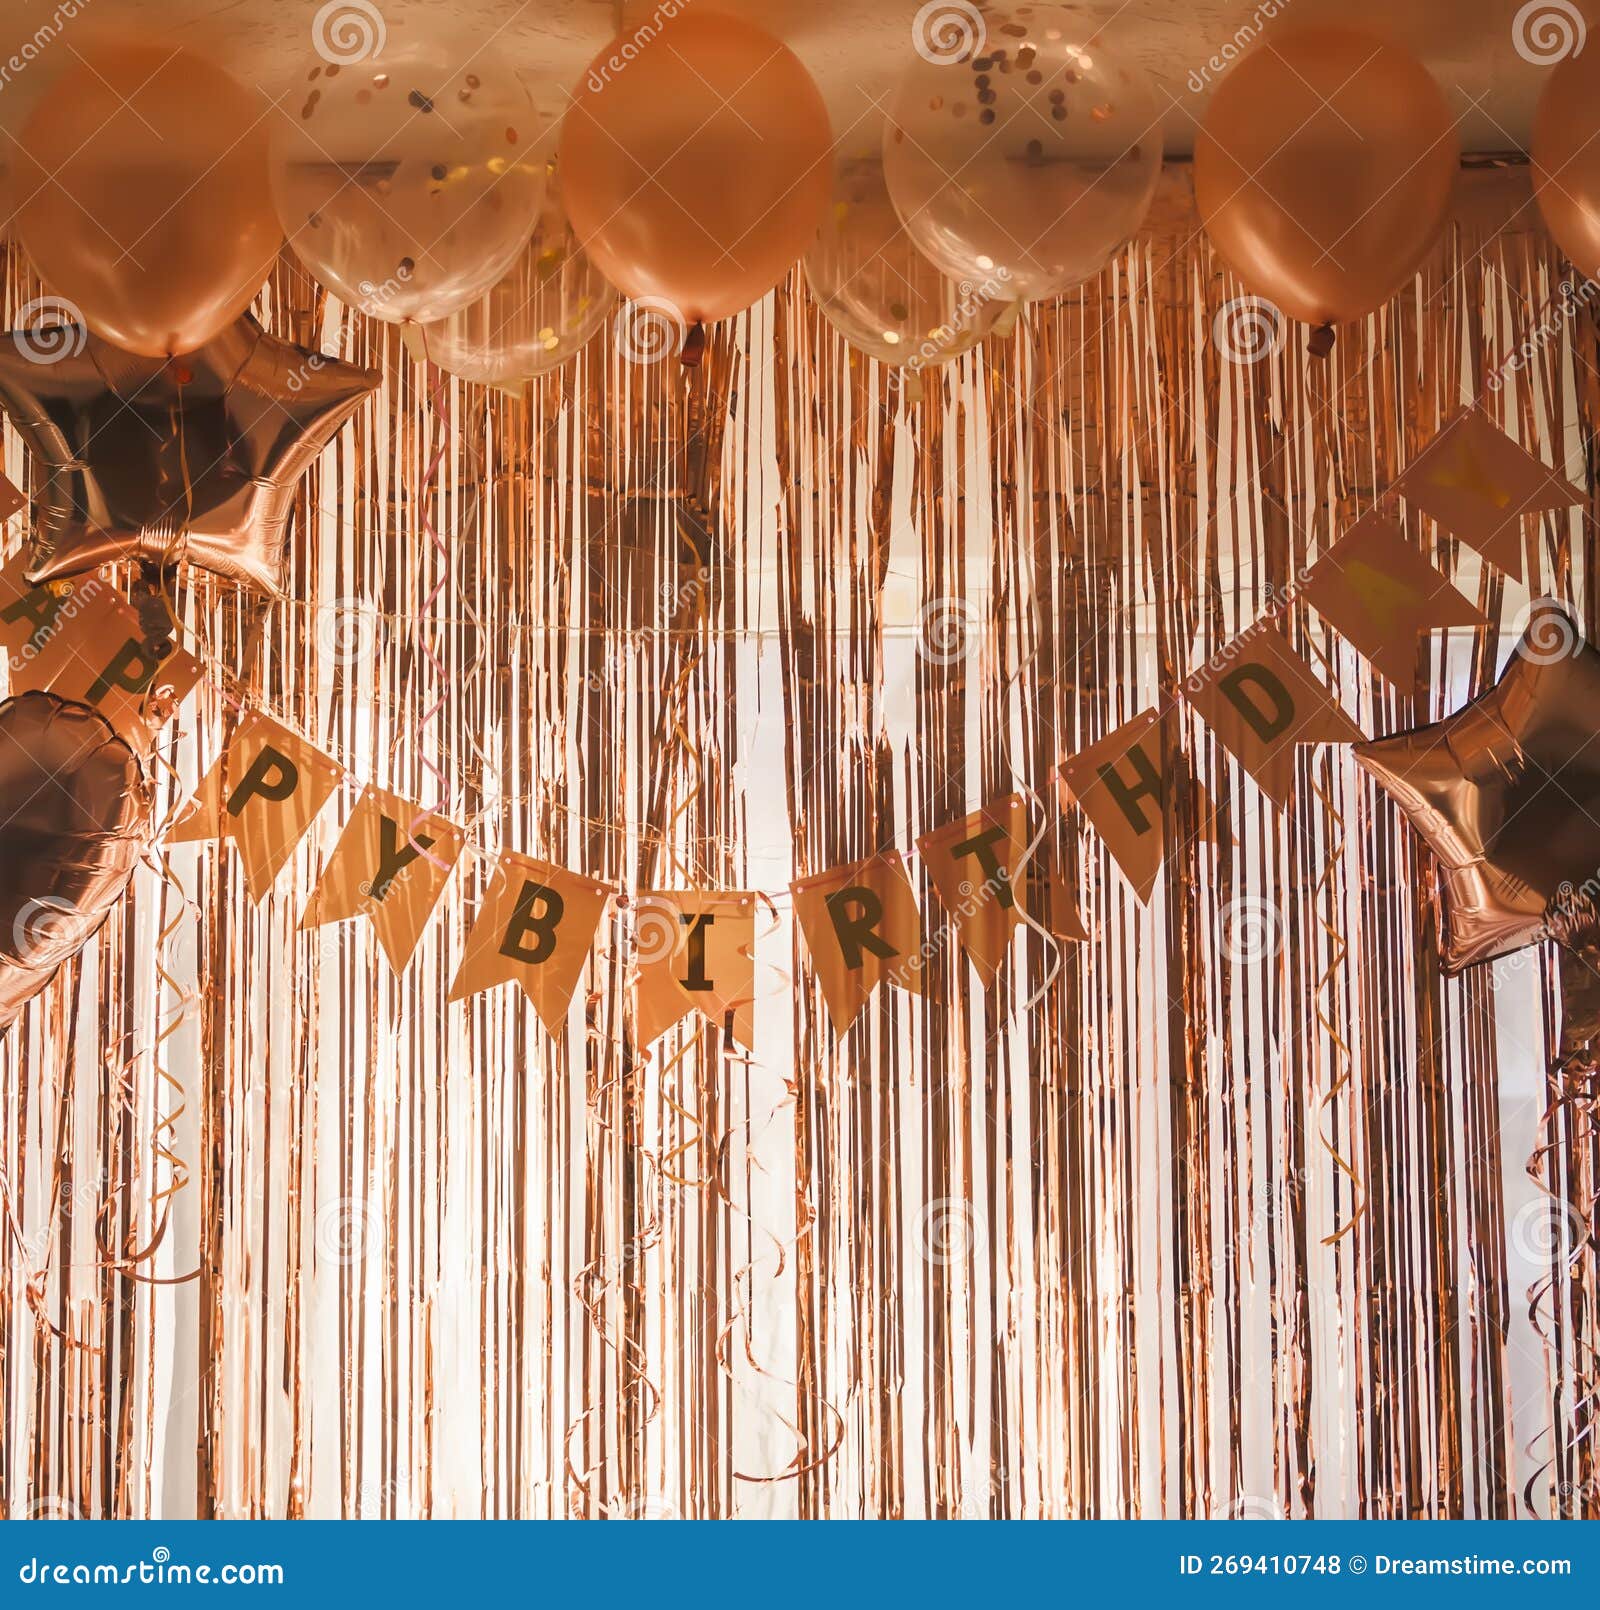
(695, 163)
(1324, 171)
(143, 198)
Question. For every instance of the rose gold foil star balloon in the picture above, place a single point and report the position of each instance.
(1506, 793)
(191, 459)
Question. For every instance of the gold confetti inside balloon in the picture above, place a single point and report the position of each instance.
(548, 306)
(881, 294)
(406, 186)
(1021, 143)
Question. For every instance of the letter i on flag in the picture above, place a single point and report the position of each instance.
(263, 793)
(862, 926)
(391, 865)
(1262, 700)
(974, 867)
(535, 930)
(695, 953)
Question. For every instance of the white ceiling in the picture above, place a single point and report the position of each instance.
(854, 48)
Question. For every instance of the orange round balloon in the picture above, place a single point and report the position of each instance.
(695, 163)
(1566, 159)
(144, 195)
(1323, 171)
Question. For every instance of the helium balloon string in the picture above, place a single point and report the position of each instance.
(161, 1202)
(437, 392)
(1058, 949)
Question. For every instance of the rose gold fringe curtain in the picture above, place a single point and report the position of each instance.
(1235, 1209)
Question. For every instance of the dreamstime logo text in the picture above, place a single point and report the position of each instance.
(946, 32)
(43, 37)
(374, 298)
(971, 298)
(346, 32)
(1570, 298)
(1547, 635)
(1547, 31)
(1243, 37)
(628, 52)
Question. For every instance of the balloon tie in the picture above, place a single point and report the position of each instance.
(694, 346)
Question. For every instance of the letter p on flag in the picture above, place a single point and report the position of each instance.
(264, 792)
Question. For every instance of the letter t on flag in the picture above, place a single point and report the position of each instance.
(263, 793)
(974, 867)
(1261, 700)
(535, 929)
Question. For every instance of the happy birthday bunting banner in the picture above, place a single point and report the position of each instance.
(264, 792)
(696, 953)
(1374, 588)
(1262, 701)
(10, 500)
(535, 930)
(391, 865)
(862, 926)
(1478, 484)
(975, 865)
(84, 642)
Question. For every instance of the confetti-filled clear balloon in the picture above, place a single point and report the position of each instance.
(1022, 143)
(538, 316)
(408, 186)
(881, 294)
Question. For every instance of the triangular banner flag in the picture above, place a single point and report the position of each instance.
(10, 500)
(1478, 484)
(1374, 588)
(862, 926)
(391, 865)
(535, 929)
(1262, 701)
(696, 953)
(974, 865)
(263, 793)
(83, 641)
(1120, 781)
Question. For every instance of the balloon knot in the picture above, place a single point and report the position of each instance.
(694, 347)
(1321, 342)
